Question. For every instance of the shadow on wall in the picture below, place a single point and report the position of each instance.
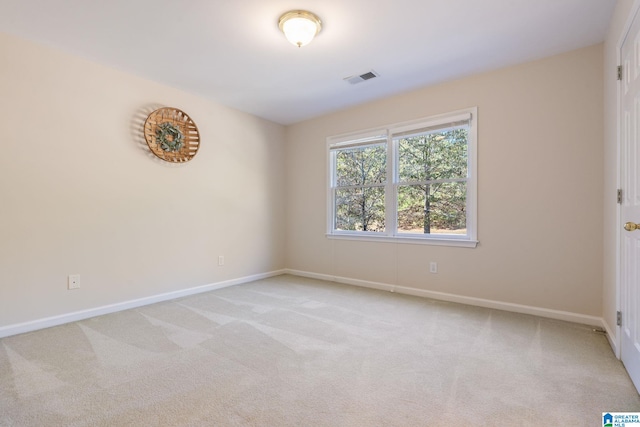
(137, 134)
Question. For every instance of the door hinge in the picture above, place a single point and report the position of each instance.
(619, 197)
(619, 72)
(619, 318)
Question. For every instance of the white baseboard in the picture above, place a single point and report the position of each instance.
(442, 296)
(48, 322)
(611, 336)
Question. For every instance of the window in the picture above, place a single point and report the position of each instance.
(413, 181)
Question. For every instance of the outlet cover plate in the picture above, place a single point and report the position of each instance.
(73, 281)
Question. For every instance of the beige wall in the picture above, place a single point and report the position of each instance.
(80, 194)
(616, 27)
(540, 189)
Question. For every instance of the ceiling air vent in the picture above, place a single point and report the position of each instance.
(362, 77)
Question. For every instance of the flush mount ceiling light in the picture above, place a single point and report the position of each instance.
(299, 26)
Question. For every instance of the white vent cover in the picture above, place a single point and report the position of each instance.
(361, 77)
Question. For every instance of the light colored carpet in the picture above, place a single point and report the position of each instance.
(289, 351)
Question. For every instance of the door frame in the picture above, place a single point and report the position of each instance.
(616, 341)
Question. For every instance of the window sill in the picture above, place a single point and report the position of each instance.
(433, 241)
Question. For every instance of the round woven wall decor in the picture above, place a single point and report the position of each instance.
(166, 126)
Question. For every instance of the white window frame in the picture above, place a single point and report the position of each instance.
(364, 138)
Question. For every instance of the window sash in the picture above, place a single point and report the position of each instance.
(440, 128)
(335, 149)
(441, 200)
(336, 217)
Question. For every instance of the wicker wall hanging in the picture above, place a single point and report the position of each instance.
(172, 135)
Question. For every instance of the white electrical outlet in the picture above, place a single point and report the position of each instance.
(73, 282)
(221, 260)
(433, 267)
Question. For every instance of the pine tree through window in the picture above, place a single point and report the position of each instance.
(409, 181)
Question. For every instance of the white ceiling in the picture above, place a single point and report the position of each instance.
(231, 51)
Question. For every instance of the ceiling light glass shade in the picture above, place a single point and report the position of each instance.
(300, 26)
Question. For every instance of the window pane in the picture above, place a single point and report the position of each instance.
(433, 156)
(432, 209)
(361, 165)
(360, 209)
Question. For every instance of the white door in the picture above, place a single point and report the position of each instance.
(630, 206)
